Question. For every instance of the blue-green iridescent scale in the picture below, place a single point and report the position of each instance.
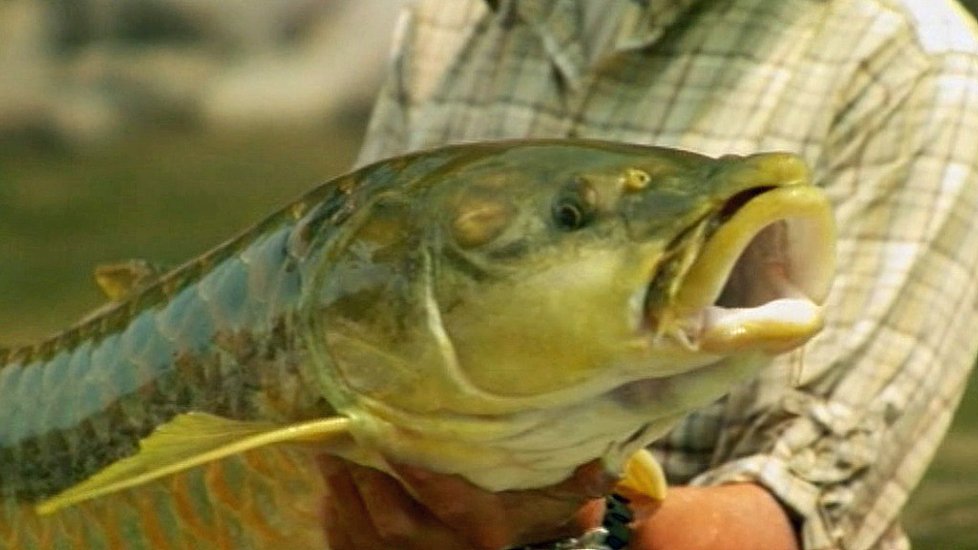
(217, 335)
(208, 348)
(221, 335)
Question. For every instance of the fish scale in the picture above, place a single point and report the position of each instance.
(228, 304)
(162, 362)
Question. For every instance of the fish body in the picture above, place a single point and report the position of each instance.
(503, 311)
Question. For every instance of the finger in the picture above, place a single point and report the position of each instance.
(393, 512)
(590, 480)
(590, 515)
(461, 506)
(556, 511)
(541, 515)
(397, 517)
(346, 521)
(333, 525)
(508, 518)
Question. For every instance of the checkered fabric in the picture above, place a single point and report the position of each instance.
(879, 96)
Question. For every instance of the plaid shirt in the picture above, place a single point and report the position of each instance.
(879, 96)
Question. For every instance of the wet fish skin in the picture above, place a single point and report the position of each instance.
(342, 303)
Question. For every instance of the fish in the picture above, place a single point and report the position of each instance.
(502, 311)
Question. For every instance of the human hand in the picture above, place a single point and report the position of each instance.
(367, 509)
(741, 516)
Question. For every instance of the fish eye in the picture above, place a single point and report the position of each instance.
(568, 215)
(575, 207)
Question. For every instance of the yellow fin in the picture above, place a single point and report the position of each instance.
(643, 476)
(189, 440)
(122, 279)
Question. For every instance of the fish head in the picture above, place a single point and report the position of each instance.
(524, 280)
(509, 312)
(562, 265)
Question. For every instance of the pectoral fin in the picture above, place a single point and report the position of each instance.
(643, 476)
(189, 440)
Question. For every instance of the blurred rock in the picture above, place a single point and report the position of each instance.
(336, 67)
(151, 83)
(26, 96)
(82, 72)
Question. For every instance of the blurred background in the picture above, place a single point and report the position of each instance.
(156, 129)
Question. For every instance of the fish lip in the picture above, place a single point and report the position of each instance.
(758, 280)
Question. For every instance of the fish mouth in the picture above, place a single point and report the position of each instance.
(754, 277)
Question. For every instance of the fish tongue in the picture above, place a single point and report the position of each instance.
(774, 327)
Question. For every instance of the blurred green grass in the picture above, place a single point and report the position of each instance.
(169, 195)
(164, 196)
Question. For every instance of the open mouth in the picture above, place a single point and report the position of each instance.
(758, 279)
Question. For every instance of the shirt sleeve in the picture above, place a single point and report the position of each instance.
(844, 430)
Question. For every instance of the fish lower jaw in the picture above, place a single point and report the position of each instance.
(772, 328)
